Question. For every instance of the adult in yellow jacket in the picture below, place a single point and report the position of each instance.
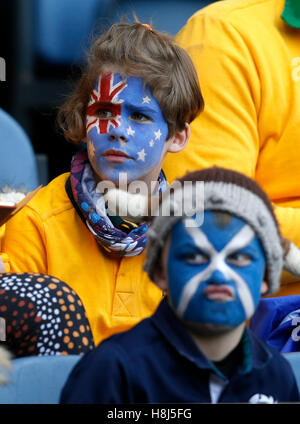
(247, 55)
(132, 105)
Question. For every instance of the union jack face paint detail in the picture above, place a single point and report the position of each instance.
(105, 91)
(125, 127)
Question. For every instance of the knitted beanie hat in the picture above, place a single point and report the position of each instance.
(232, 192)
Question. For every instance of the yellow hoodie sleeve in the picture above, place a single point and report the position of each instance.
(4, 266)
(2, 231)
(24, 243)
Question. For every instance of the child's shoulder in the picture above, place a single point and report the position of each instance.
(142, 337)
(266, 355)
(130, 345)
(51, 199)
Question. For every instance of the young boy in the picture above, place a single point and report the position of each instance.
(132, 105)
(196, 347)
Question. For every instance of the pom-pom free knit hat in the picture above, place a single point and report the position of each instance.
(228, 191)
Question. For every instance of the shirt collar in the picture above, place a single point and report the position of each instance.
(256, 353)
(291, 13)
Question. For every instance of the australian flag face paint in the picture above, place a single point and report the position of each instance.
(215, 271)
(126, 131)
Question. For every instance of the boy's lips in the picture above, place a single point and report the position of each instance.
(113, 155)
(219, 292)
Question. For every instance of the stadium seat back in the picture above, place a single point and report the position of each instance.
(168, 15)
(18, 164)
(37, 379)
(62, 28)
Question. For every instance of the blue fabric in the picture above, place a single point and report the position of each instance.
(168, 15)
(158, 362)
(63, 28)
(18, 167)
(37, 379)
(277, 320)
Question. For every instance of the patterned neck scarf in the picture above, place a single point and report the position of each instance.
(125, 239)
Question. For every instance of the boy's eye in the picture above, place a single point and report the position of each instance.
(140, 117)
(196, 258)
(239, 259)
(104, 113)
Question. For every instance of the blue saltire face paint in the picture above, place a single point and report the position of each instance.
(215, 273)
(126, 130)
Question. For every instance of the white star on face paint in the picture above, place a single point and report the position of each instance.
(151, 143)
(146, 99)
(141, 155)
(157, 134)
(130, 131)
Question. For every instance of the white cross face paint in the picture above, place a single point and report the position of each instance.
(126, 130)
(215, 273)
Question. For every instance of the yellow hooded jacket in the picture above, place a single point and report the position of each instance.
(48, 236)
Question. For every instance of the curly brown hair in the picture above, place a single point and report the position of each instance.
(137, 50)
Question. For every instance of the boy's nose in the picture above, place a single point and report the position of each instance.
(218, 277)
(118, 134)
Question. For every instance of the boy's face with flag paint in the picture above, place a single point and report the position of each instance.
(126, 131)
(215, 272)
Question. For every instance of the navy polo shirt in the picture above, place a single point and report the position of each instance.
(157, 361)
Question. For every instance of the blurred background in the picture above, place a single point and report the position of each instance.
(43, 43)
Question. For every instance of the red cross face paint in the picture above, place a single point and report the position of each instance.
(126, 130)
(105, 95)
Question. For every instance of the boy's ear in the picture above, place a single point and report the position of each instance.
(264, 288)
(160, 272)
(160, 277)
(179, 140)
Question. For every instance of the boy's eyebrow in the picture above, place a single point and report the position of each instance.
(99, 103)
(187, 244)
(248, 249)
(140, 107)
(143, 108)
